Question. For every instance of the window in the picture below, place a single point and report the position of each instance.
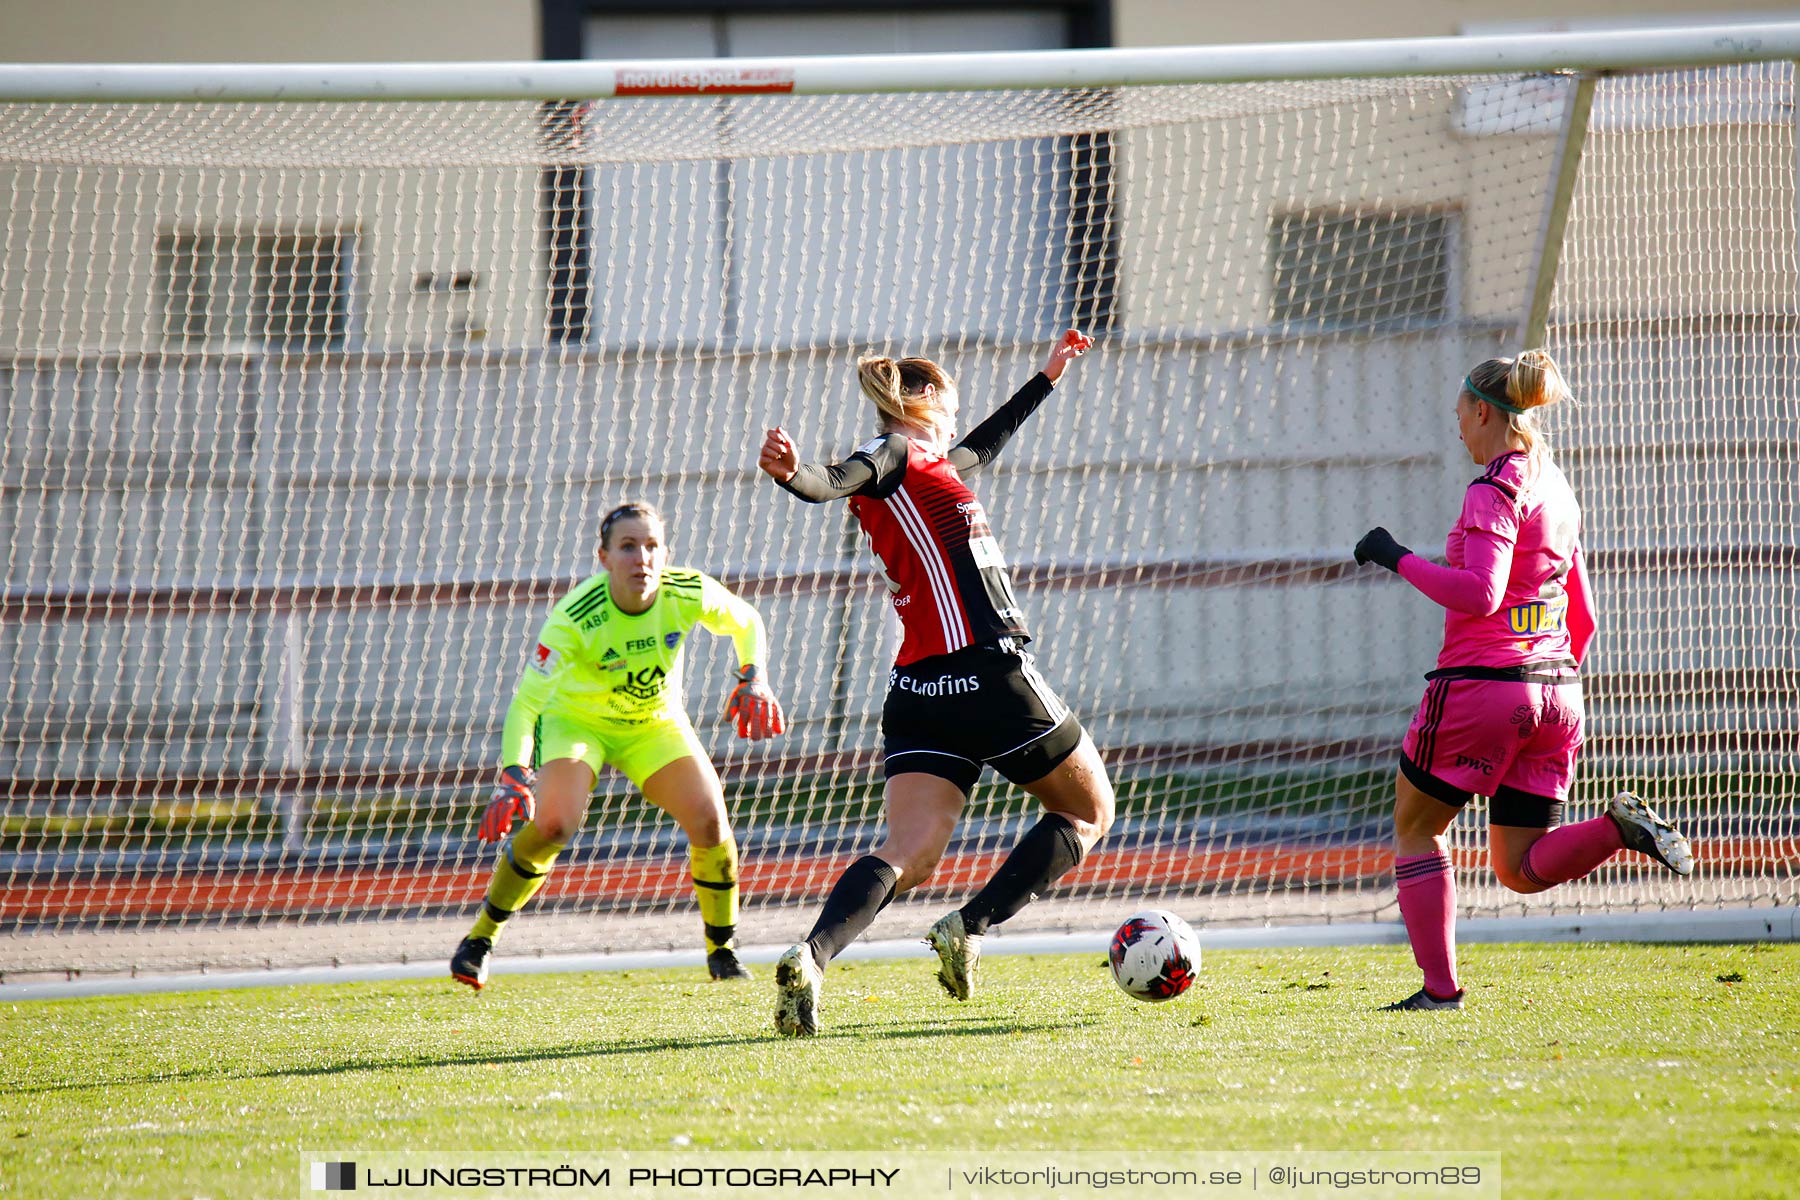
(275, 291)
(826, 246)
(1338, 269)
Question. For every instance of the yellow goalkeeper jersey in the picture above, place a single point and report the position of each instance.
(595, 662)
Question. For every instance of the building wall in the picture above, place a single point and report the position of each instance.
(268, 31)
(430, 30)
(1179, 23)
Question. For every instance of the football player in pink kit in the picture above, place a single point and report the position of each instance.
(963, 693)
(1502, 715)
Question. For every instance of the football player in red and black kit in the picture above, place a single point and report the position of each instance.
(963, 692)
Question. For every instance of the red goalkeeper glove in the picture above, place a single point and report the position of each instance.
(513, 800)
(757, 711)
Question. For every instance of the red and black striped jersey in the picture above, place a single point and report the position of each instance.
(947, 578)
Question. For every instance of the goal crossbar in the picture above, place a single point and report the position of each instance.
(866, 74)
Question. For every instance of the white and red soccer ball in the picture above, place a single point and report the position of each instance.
(1154, 956)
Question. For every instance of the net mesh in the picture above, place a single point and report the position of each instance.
(311, 411)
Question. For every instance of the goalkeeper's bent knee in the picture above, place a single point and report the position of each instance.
(525, 862)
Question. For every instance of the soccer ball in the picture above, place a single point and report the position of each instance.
(1154, 956)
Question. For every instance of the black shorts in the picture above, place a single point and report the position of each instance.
(950, 714)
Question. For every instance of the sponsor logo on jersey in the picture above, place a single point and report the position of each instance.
(902, 601)
(969, 510)
(639, 645)
(612, 660)
(1529, 719)
(1537, 616)
(544, 660)
(595, 621)
(943, 685)
(1475, 764)
(646, 684)
(672, 640)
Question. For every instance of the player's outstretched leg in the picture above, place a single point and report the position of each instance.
(525, 861)
(1641, 829)
(1537, 863)
(861, 892)
(1078, 798)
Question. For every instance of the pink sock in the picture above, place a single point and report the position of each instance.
(1428, 906)
(1571, 851)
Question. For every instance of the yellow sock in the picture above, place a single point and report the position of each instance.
(715, 887)
(524, 864)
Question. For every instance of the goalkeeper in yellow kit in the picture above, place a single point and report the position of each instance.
(603, 685)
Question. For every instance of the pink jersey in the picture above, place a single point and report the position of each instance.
(1513, 588)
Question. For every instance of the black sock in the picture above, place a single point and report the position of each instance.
(1049, 850)
(858, 896)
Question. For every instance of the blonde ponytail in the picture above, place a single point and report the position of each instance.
(1519, 387)
(897, 388)
(1534, 382)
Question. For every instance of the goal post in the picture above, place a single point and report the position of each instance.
(316, 379)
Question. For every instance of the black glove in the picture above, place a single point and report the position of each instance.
(1379, 546)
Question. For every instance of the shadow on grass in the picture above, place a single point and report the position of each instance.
(965, 1026)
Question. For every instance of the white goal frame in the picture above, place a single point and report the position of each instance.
(1584, 60)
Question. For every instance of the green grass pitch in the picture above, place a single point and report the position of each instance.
(1594, 1069)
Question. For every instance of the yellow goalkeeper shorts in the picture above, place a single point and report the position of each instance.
(638, 750)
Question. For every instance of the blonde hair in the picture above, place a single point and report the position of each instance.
(897, 389)
(1526, 383)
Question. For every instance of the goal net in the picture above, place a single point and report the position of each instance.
(311, 410)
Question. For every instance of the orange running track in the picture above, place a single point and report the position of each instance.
(247, 893)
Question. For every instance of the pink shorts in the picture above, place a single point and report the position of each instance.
(1486, 736)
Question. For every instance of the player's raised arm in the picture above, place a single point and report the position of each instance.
(987, 439)
(812, 483)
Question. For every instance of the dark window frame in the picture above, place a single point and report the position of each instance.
(281, 317)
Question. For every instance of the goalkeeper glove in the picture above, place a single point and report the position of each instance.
(755, 707)
(513, 799)
(1379, 546)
